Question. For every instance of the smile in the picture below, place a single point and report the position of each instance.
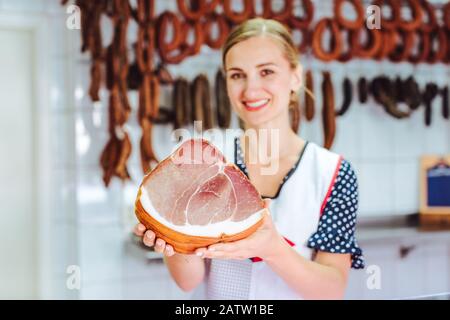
(256, 105)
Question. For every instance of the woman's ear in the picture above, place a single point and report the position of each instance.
(297, 78)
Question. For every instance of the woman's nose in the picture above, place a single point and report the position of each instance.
(252, 88)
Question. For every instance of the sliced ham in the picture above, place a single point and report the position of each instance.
(195, 192)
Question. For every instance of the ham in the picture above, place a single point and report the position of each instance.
(194, 194)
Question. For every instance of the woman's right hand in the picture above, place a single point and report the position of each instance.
(150, 240)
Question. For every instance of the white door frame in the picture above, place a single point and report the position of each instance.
(37, 23)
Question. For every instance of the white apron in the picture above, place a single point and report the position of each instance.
(296, 213)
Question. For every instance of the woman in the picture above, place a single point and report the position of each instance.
(306, 245)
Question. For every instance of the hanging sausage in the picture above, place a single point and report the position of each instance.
(348, 93)
(201, 100)
(412, 95)
(382, 90)
(148, 108)
(328, 112)
(430, 92)
(118, 149)
(363, 90)
(223, 106)
(309, 96)
(295, 115)
(445, 103)
(181, 102)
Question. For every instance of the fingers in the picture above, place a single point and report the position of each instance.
(168, 251)
(139, 230)
(222, 251)
(149, 238)
(201, 252)
(160, 245)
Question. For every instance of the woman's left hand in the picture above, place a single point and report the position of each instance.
(263, 243)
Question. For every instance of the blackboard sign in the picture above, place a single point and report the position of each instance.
(435, 189)
(438, 182)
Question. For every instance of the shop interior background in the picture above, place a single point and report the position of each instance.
(57, 216)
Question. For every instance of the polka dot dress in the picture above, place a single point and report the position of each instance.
(336, 230)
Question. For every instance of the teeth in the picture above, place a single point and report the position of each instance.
(257, 103)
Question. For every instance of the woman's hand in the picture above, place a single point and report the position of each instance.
(150, 240)
(263, 243)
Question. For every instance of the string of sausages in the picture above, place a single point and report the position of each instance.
(398, 97)
(149, 88)
(172, 37)
(118, 148)
(421, 39)
(209, 22)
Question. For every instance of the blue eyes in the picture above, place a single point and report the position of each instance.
(239, 75)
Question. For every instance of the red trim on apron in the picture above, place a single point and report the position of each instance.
(258, 259)
(330, 187)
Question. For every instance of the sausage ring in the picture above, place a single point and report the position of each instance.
(416, 13)
(144, 51)
(300, 23)
(165, 19)
(446, 15)
(347, 52)
(317, 36)
(392, 23)
(222, 32)
(439, 37)
(403, 43)
(283, 15)
(345, 23)
(423, 46)
(197, 28)
(387, 44)
(238, 17)
(371, 47)
(204, 8)
(447, 58)
(305, 41)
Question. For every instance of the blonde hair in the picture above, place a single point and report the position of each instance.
(265, 27)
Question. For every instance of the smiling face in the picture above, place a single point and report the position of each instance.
(260, 80)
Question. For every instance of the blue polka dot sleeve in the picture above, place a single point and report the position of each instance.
(336, 230)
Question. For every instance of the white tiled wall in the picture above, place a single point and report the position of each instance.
(91, 222)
